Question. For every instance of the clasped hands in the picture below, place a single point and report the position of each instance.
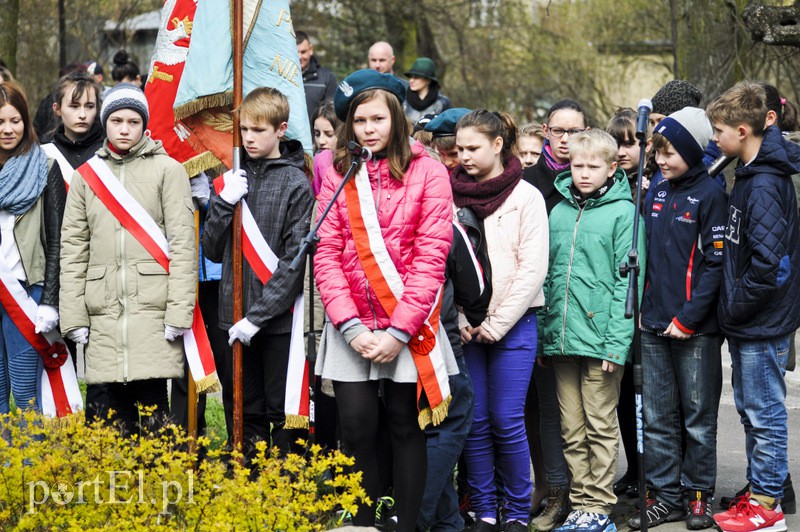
(379, 349)
(479, 334)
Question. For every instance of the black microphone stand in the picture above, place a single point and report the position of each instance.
(307, 247)
(631, 269)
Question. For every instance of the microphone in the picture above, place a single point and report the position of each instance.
(645, 108)
(361, 152)
(719, 165)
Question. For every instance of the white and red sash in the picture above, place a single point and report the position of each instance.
(52, 151)
(385, 280)
(264, 262)
(138, 222)
(59, 394)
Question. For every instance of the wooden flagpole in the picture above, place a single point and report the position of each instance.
(238, 52)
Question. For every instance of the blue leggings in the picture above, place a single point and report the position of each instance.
(20, 364)
(500, 374)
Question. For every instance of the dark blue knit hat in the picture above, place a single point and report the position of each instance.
(444, 125)
(360, 81)
(689, 131)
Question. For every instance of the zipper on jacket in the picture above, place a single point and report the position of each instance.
(371, 306)
(122, 290)
(566, 285)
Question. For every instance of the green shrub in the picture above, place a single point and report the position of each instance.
(62, 475)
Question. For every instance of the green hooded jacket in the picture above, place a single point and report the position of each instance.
(585, 310)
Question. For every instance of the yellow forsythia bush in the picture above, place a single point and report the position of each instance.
(62, 475)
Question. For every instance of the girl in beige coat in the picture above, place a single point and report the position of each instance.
(115, 297)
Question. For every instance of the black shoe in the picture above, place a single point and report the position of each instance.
(625, 483)
(657, 513)
(727, 502)
(386, 514)
(481, 526)
(513, 526)
(700, 515)
(788, 503)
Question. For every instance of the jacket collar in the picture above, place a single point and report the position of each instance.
(777, 156)
(621, 190)
(692, 176)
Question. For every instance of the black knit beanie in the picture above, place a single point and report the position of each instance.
(675, 95)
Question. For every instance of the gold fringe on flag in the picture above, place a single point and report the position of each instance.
(203, 103)
(201, 163)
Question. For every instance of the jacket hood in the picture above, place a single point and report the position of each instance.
(620, 191)
(145, 147)
(693, 175)
(292, 154)
(777, 156)
(313, 66)
(91, 137)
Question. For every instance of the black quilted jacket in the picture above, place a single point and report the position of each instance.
(761, 275)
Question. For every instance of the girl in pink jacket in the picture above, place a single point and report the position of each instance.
(379, 267)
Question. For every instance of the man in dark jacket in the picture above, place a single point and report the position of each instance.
(319, 82)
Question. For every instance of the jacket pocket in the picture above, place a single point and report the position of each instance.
(152, 284)
(598, 311)
(95, 295)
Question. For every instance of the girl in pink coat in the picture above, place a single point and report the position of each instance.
(379, 267)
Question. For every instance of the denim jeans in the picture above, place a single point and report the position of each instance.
(497, 442)
(679, 374)
(759, 392)
(20, 364)
(444, 442)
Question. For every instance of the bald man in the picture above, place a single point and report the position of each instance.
(381, 58)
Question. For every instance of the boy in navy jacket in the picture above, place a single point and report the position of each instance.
(759, 296)
(681, 359)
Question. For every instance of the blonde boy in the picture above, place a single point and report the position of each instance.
(759, 294)
(585, 330)
(279, 196)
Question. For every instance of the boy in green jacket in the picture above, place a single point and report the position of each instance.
(585, 330)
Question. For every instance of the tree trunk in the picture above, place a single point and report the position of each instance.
(673, 23)
(9, 19)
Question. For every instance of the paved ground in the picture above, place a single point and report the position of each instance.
(731, 461)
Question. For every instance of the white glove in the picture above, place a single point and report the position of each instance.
(46, 319)
(79, 335)
(171, 333)
(243, 331)
(201, 191)
(235, 186)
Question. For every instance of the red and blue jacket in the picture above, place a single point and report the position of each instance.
(685, 223)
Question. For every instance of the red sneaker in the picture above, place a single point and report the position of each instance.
(752, 516)
(733, 509)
